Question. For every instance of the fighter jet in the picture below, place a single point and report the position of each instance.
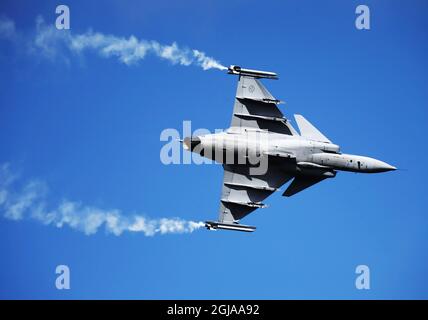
(261, 151)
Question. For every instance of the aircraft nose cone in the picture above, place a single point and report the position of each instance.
(391, 168)
(383, 167)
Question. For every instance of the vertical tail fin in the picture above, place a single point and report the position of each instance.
(307, 130)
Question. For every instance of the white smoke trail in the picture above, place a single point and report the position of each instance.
(30, 203)
(50, 42)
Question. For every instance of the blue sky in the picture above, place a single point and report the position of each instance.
(88, 126)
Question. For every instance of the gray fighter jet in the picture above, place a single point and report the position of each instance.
(261, 151)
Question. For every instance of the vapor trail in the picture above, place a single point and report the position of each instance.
(30, 202)
(50, 43)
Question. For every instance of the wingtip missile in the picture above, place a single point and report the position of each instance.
(214, 225)
(237, 70)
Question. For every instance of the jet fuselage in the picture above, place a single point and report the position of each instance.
(300, 154)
